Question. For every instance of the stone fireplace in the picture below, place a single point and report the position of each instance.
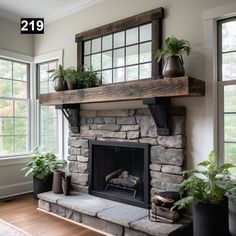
(156, 161)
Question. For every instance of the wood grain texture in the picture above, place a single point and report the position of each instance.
(126, 91)
(123, 24)
(21, 211)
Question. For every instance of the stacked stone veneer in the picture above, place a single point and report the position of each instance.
(132, 125)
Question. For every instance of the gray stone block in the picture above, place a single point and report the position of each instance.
(129, 127)
(143, 112)
(170, 156)
(155, 228)
(155, 190)
(176, 141)
(158, 184)
(78, 142)
(83, 120)
(177, 125)
(108, 227)
(132, 232)
(126, 120)
(84, 152)
(81, 179)
(80, 188)
(82, 159)
(155, 167)
(110, 127)
(89, 120)
(152, 141)
(147, 126)
(50, 197)
(58, 210)
(110, 120)
(175, 179)
(72, 158)
(44, 205)
(171, 169)
(74, 151)
(82, 167)
(98, 120)
(133, 134)
(121, 135)
(73, 167)
(123, 214)
(73, 215)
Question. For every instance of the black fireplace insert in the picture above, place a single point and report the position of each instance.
(119, 171)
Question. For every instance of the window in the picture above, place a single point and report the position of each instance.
(48, 116)
(14, 107)
(121, 56)
(227, 88)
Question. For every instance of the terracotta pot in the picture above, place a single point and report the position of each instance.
(66, 181)
(60, 84)
(173, 67)
(71, 85)
(57, 181)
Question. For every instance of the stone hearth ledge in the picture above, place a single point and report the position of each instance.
(109, 216)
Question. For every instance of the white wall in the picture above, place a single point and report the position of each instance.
(12, 180)
(183, 18)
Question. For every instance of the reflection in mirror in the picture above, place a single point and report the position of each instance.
(132, 36)
(107, 42)
(87, 61)
(131, 73)
(132, 55)
(119, 39)
(118, 75)
(87, 47)
(96, 61)
(107, 76)
(106, 60)
(96, 45)
(145, 33)
(145, 52)
(119, 57)
(145, 71)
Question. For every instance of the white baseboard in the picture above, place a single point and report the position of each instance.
(16, 189)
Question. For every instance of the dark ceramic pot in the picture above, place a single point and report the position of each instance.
(232, 218)
(40, 186)
(173, 67)
(57, 181)
(66, 185)
(210, 219)
(60, 84)
(71, 85)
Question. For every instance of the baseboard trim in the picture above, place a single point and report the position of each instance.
(16, 189)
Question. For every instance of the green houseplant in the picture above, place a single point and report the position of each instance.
(205, 187)
(41, 167)
(231, 194)
(72, 78)
(174, 49)
(58, 77)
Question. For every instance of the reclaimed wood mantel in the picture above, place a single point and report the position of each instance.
(126, 91)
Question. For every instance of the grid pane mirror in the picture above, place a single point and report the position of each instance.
(121, 56)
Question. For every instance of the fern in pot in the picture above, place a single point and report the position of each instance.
(205, 188)
(58, 77)
(174, 49)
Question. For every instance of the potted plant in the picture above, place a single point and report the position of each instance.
(41, 167)
(205, 188)
(174, 49)
(59, 79)
(88, 78)
(72, 78)
(231, 194)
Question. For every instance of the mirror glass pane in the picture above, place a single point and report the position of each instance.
(145, 52)
(132, 73)
(145, 71)
(107, 42)
(118, 75)
(119, 57)
(107, 60)
(107, 76)
(132, 55)
(132, 36)
(119, 39)
(87, 47)
(87, 61)
(96, 45)
(96, 61)
(145, 32)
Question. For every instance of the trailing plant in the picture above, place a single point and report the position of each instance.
(42, 165)
(207, 183)
(89, 78)
(59, 73)
(173, 47)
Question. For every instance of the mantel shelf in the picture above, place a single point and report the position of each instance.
(126, 91)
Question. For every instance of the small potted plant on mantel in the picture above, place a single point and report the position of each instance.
(58, 77)
(205, 188)
(174, 49)
(41, 167)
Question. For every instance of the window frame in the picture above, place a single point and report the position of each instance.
(220, 90)
(154, 17)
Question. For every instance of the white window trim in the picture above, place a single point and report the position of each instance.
(212, 131)
(56, 55)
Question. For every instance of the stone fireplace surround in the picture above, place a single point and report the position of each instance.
(130, 125)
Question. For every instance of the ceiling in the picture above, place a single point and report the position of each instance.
(50, 10)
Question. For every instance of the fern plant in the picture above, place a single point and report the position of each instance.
(59, 73)
(174, 47)
(207, 183)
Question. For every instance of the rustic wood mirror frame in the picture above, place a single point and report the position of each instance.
(154, 17)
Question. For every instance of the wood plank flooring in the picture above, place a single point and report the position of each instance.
(21, 211)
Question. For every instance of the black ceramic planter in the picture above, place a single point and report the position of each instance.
(40, 186)
(232, 218)
(210, 219)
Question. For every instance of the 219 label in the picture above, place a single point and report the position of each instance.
(32, 25)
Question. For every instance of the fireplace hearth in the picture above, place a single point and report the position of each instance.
(120, 171)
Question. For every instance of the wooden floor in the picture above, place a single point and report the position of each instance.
(21, 211)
